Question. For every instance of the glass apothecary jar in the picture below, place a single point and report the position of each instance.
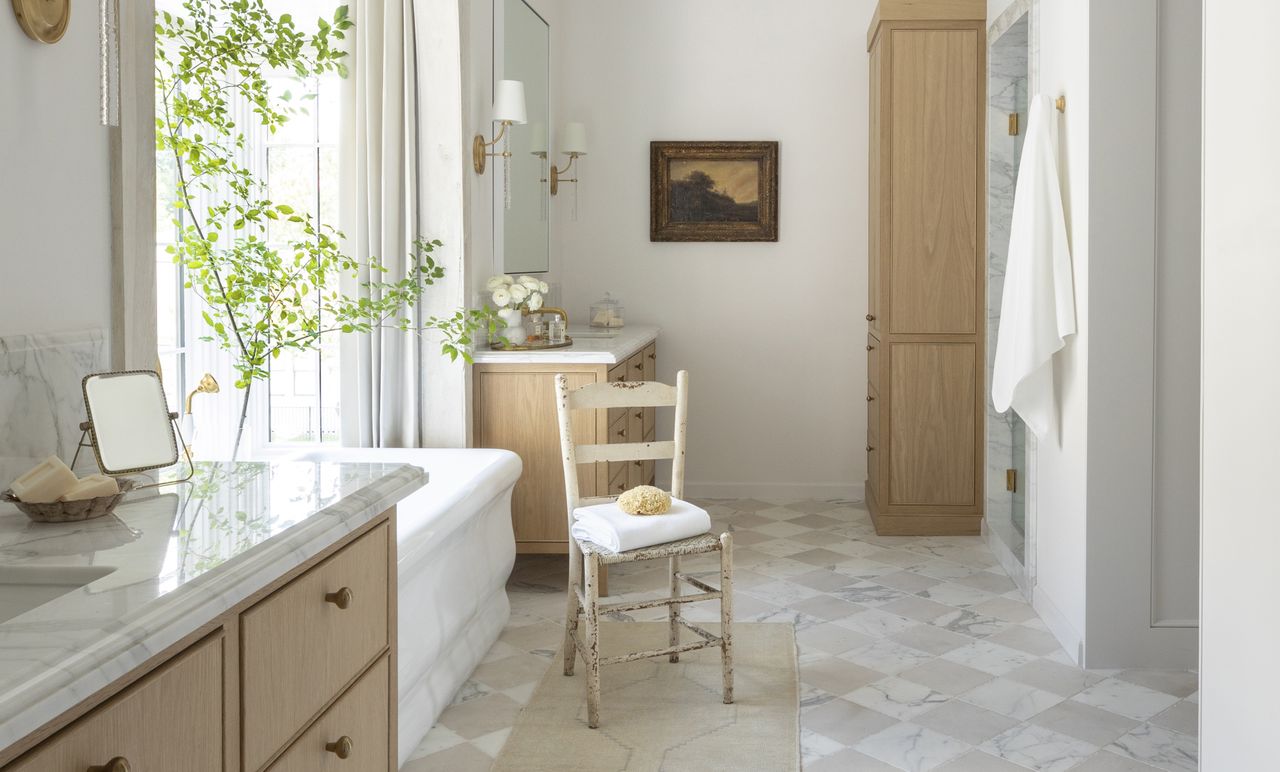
(607, 312)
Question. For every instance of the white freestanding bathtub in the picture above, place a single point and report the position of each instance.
(456, 551)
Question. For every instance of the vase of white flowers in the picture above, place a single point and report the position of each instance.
(511, 296)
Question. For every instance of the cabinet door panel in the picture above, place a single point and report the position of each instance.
(170, 720)
(935, 151)
(878, 189)
(932, 425)
(518, 412)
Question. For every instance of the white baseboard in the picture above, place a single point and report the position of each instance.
(775, 491)
(1071, 639)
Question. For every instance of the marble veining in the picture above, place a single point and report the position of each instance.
(41, 405)
(586, 349)
(180, 556)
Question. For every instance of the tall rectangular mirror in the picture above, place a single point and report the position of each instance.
(522, 207)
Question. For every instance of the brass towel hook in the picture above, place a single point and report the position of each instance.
(1061, 104)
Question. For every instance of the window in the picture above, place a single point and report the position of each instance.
(299, 166)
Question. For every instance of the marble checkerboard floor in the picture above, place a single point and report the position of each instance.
(915, 653)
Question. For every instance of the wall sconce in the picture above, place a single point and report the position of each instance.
(573, 144)
(508, 108)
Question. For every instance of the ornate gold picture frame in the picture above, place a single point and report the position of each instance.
(713, 191)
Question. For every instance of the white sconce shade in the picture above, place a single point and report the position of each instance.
(538, 139)
(574, 139)
(508, 101)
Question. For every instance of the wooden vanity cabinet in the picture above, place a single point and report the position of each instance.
(295, 677)
(927, 267)
(515, 409)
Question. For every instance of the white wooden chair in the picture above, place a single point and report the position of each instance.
(585, 558)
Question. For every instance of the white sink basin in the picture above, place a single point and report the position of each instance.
(23, 588)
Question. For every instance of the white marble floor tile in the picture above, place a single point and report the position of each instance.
(958, 595)
(896, 697)
(876, 623)
(1183, 717)
(887, 657)
(1125, 698)
(1012, 699)
(912, 748)
(1038, 748)
(1159, 747)
(965, 721)
(989, 657)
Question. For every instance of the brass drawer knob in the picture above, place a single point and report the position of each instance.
(340, 747)
(342, 599)
(118, 764)
(871, 317)
(870, 398)
(640, 414)
(871, 348)
(639, 463)
(639, 365)
(869, 448)
(622, 433)
(653, 356)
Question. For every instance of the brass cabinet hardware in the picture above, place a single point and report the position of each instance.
(870, 398)
(870, 347)
(869, 448)
(871, 317)
(639, 463)
(341, 747)
(118, 764)
(342, 598)
(1013, 124)
(639, 365)
(1011, 480)
(640, 414)
(622, 432)
(653, 356)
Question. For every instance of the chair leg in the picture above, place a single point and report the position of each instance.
(726, 614)
(573, 608)
(673, 611)
(592, 654)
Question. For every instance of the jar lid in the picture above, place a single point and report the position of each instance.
(608, 300)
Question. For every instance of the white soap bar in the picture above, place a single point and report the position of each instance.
(46, 483)
(92, 487)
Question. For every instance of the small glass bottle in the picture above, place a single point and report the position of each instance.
(555, 331)
(538, 329)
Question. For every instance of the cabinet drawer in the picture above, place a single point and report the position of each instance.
(873, 360)
(357, 724)
(300, 647)
(170, 720)
(635, 366)
(618, 482)
(873, 436)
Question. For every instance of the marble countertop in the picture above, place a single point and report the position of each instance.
(167, 562)
(587, 348)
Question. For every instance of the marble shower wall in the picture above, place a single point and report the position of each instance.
(41, 406)
(1009, 74)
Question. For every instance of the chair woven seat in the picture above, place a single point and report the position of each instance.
(694, 545)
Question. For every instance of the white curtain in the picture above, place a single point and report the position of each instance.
(402, 179)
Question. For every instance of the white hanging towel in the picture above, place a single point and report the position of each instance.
(1038, 310)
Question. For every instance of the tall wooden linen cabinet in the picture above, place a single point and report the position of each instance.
(927, 304)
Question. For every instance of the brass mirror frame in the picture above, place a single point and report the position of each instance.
(44, 21)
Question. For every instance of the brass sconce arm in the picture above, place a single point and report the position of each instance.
(479, 148)
(556, 178)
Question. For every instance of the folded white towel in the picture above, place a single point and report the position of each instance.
(613, 529)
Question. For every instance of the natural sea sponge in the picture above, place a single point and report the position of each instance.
(645, 500)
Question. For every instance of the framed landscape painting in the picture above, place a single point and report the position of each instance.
(713, 191)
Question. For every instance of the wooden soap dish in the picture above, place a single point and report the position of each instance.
(69, 511)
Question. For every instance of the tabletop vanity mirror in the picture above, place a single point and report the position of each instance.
(130, 427)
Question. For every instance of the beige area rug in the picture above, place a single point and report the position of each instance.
(658, 716)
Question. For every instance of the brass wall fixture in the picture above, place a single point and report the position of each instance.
(1061, 104)
(1013, 124)
(508, 108)
(574, 145)
(208, 385)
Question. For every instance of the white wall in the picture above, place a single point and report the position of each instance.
(773, 334)
(1059, 464)
(55, 201)
(1241, 416)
